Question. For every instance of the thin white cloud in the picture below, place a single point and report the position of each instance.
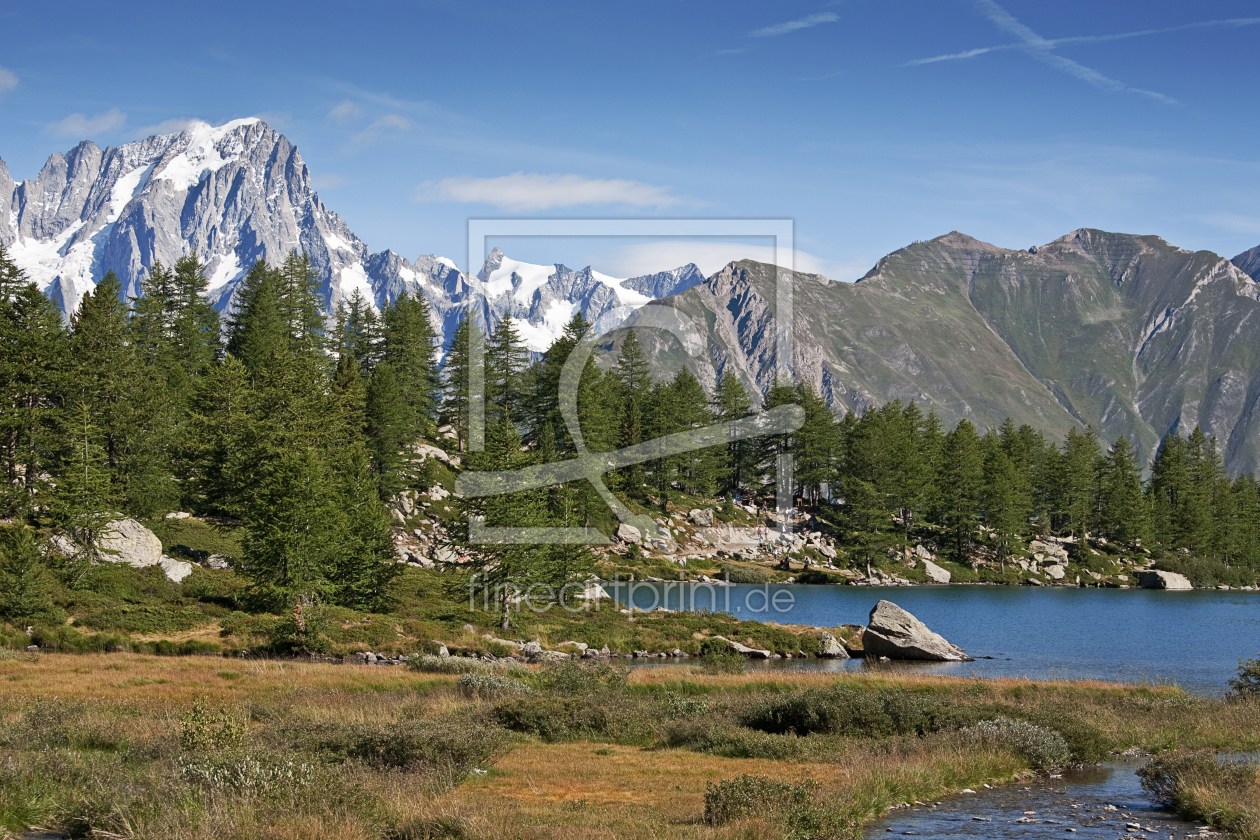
(81, 125)
(171, 126)
(8, 80)
(328, 181)
(1229, 23)
(793, 25)
(1235, 223)
(1042, 49)
(345, 111)
(524, 191)
(389, 122)
(710, 257)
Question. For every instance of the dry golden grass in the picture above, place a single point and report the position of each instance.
(588, 790)
(578, 789)
(183, 679)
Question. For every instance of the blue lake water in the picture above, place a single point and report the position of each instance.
(1193, 639)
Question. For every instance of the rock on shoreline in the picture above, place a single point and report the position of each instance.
(896, 634)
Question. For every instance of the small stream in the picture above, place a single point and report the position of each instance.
(1095, 802)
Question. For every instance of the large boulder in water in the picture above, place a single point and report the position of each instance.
(895, 633)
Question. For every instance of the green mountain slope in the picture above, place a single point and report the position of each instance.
(1124, 332)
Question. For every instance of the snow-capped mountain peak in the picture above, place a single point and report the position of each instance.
(240, 192)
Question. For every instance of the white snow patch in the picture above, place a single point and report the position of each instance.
(627, 297)
(125, 189)
(203, 155)
(228, 269)
(409, 276)
(538, 337)
(532, 278)
(336, 243)
(446, 262)
(46, 260)
(354, 277)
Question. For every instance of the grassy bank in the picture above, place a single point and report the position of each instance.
(155, 747)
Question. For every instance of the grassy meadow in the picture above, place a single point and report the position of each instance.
(139, 746)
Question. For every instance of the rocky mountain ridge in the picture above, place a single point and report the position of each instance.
(1127, 333)
(240, 192)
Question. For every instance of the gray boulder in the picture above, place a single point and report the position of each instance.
(830, 647)
(127, 541)
(1155, 579)
(750, 652)
(935, 573)
(1055, 571)
(897, 634)
(702, 517)
(628, 533)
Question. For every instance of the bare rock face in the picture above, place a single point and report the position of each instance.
(1156, 579)
(896, 634)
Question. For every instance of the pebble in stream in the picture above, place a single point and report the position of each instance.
(1101, 802)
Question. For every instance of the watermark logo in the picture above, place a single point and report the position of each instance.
(593, 466)
(633, 595)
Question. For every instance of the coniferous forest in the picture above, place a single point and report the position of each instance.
(300, 428)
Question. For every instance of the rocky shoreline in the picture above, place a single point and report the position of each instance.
(891, 633)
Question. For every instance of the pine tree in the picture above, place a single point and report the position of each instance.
(1203, 501)
(457, 398)
(33, 372)
(257, 332)
(409, 345)
(129, 402)
(291, 543)
(367, 560)
(1167, 491)
(195, 327)
(1079, 482)
(505, 363)
(359, 333)
(387, 429)
(85, 500)
(961, 484)
(508, 569)
(1123, 515)
(731, 401)
(300, 304)
(25, 587)
(1005, 504)
(633, 369)
(814, 444)
(225, 429)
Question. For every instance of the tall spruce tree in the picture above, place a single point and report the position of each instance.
(961, 485)
(731, 401)
(33, 374)
(1123, 510)
(457, 399)
(505, 361)
(409, 345)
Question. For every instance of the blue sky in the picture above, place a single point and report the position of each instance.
(872, 124)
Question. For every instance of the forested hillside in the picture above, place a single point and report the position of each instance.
(301, 431)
